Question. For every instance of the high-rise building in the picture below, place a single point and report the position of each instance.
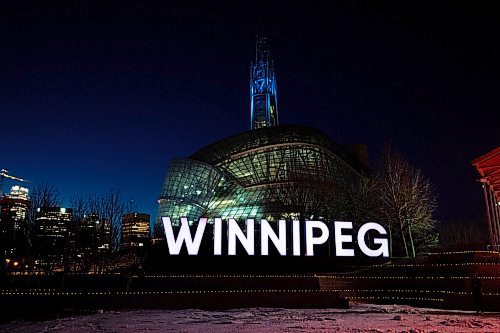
(101, 229)
(90, 234)
(135, 230)
(15, 205)
(51, 229)
(13, 208)
(263, 91)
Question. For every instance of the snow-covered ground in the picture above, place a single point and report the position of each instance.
(359, 318)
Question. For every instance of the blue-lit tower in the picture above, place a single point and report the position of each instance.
(263, 101)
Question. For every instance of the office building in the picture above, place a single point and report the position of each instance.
(135, 230)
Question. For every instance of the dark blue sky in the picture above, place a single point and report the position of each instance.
(94, 97)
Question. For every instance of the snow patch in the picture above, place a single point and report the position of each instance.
(361, 318)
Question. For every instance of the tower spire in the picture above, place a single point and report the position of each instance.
(263, 92)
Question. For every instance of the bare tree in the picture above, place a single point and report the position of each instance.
(463, 235)
(361, 204)
(304, 199)
(112, 209)
(43, 195)
(96, 228)
(83, 242)
(106, 211)
(407, 202)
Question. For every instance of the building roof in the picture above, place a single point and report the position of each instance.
(488, 167)
(268, 136)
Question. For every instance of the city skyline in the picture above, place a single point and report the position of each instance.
(96, 97)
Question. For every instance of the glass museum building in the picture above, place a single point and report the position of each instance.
(272, 172)
(281, 172)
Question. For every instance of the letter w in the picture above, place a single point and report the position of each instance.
(184, 236)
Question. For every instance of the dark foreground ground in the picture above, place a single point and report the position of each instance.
(359, 318)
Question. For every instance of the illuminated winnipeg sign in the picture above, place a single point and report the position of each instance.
(316, 233)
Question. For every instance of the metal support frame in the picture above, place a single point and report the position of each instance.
(263, 91)
(496, 219)
(492, 215)
(488, 215)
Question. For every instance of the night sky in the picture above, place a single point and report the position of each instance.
(95, 97)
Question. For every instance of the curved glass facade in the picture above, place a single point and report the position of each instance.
(271, 173)
(188, 189)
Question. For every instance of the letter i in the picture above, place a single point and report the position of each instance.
(296, 238)
(217, 236)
